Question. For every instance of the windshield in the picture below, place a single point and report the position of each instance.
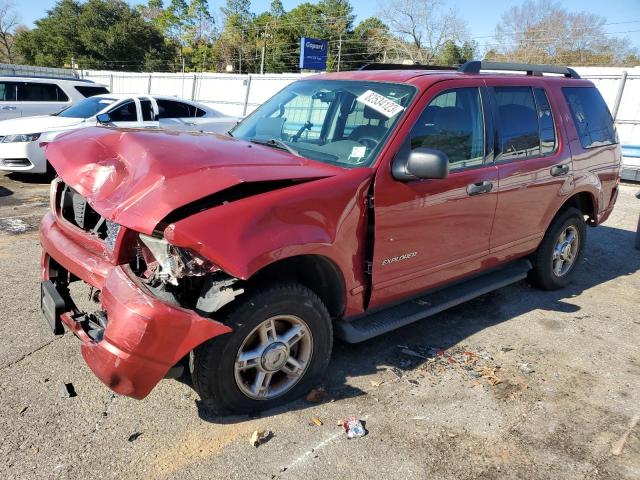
(341, 122)
(86, 108)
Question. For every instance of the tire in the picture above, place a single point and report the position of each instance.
(227, 384)
(545, 273)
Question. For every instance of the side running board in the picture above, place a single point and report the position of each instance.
(383, 321)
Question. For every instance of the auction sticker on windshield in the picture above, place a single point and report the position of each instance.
(380, 103)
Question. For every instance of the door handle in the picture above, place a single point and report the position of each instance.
(559, 170)
(479, 187)
(7, 107)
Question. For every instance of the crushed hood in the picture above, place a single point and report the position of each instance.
(138, 177)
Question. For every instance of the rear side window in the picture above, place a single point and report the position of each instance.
(591, 116)
(87, 91)
(453, 123)
(171, 109)
(545, 118)
(518, 135)
(41, 92)
(7, 92)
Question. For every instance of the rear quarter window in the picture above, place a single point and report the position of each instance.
(87, 91)
(41, 92)
(591, 116)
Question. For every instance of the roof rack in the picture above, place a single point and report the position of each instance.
(47, 77)
(402, 66)
(475, 66)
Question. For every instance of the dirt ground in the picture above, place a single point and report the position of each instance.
(518, 383)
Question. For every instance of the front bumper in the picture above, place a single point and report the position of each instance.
(144, 336)
(22, 157)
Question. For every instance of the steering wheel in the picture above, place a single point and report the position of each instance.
(369, 142)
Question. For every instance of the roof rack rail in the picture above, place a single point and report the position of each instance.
(475, 66)
(402, 66)
(45, 77)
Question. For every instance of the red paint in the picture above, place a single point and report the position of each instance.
(136, 178)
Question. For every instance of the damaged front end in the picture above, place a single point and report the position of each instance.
(181, 277)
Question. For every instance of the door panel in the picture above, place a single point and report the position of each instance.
(428, 232)
(533, 180)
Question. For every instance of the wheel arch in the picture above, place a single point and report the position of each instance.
(584, 201)
(316, 272)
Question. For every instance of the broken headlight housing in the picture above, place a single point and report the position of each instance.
(168, 263)
(113, 229)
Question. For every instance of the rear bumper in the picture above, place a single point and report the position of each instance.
(144, 337)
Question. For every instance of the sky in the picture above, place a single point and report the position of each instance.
(623, 16)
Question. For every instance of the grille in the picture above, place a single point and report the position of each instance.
(75, 209)
(15, 162)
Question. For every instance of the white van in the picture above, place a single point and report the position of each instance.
(23, 96)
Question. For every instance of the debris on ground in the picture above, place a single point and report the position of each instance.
(616, 448)
(317, 421)
(67, 390)
(526, 368)
(376, 383)
(317, 395)
(353, 427)
(24, 409)
(134, 436)
(259, 437)
(412, 353)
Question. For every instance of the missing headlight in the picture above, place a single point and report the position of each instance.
(167, 263)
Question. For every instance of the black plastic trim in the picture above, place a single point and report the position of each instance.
(383, 321)
(476, 66)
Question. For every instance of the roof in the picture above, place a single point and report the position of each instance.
(420, 77)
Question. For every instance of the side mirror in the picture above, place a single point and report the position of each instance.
(104, 118)
(420, 163)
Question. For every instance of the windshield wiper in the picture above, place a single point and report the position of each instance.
(275, 142)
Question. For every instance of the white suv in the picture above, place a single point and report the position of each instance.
(27, 96)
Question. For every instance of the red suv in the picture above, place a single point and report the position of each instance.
(351, 204)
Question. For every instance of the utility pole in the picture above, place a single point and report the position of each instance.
(339, 50)
(264, 48)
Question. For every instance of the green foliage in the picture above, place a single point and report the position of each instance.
(97, 34)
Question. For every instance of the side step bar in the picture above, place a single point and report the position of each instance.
(383, 321)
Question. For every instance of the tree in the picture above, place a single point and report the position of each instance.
(422, 28)
(9, 21)
(542, 31)
(97, 34)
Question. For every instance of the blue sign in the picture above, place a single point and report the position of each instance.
(313, 54)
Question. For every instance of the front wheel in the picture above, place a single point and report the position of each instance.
(279, 349)
(560, 251)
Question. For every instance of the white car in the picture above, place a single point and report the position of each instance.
(28, 96)
(21, 138)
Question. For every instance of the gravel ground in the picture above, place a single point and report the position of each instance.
(518, 383)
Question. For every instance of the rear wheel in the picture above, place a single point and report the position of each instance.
(279, 349)
(560, 251)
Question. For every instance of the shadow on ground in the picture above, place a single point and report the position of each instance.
(609, 254)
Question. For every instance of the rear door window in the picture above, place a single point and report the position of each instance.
(8, 92)
(545, 118)
(591, 116)
(87, 91)
(518, 135)
(147, 110)
(41, 92)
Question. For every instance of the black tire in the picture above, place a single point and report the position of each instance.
(542, 275)
(212, 363)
